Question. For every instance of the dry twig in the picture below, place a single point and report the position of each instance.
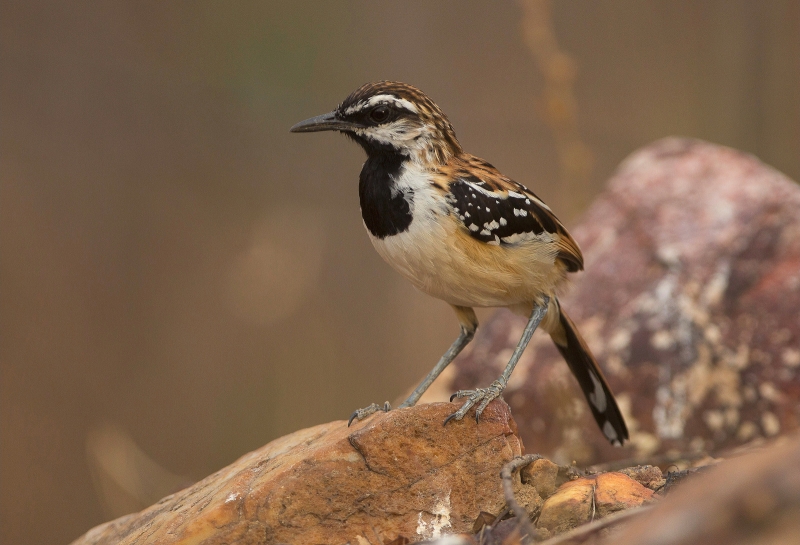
(529, 534)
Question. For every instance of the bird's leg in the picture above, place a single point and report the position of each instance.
(463, 339)
(486, 395)
(469, 323)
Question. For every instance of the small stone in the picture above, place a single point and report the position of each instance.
(541, 475)
(649, 476)
(568, 507)
(617, 492)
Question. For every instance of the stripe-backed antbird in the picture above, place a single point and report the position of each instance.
(459, 230)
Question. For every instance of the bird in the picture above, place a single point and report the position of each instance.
(461, 231)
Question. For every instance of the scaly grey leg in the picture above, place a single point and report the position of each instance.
(486, 395)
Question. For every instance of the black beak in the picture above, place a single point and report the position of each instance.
(324, 122)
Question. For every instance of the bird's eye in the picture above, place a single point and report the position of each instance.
(379, 114)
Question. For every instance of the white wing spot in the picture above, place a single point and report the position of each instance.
(473, 227)
(518, 237)
(474, 187)
(503, 221)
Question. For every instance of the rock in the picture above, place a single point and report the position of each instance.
(649, 476)
(752, 500)
(689, 301)
(395, 476)
(616, 492)
(542, 475)
(568, 507)
(585, 499)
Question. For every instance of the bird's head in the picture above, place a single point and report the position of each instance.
(391, 117)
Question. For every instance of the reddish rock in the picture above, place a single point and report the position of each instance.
(586, 499)
(689, 301)
(398, 475)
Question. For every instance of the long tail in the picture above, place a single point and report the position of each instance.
(583, 365)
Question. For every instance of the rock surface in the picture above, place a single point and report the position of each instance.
(689, 301)
(398, 475)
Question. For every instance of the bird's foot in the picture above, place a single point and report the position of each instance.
(482, 395)
(360, 414)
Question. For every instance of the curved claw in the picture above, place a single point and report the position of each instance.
(483, 405)
(449, 418)
(459, 414)
(366, 411)
(461, 393)
(464, 409)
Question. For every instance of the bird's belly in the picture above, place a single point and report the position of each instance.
(443, 261)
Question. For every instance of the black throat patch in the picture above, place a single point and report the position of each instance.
(386, 210)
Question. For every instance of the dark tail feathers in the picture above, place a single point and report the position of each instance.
(592, 382)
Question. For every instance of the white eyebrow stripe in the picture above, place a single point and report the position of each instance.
(386, 99)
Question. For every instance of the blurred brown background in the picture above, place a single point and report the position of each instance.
(183, 280)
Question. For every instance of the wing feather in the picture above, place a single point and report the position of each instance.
(497, 210)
